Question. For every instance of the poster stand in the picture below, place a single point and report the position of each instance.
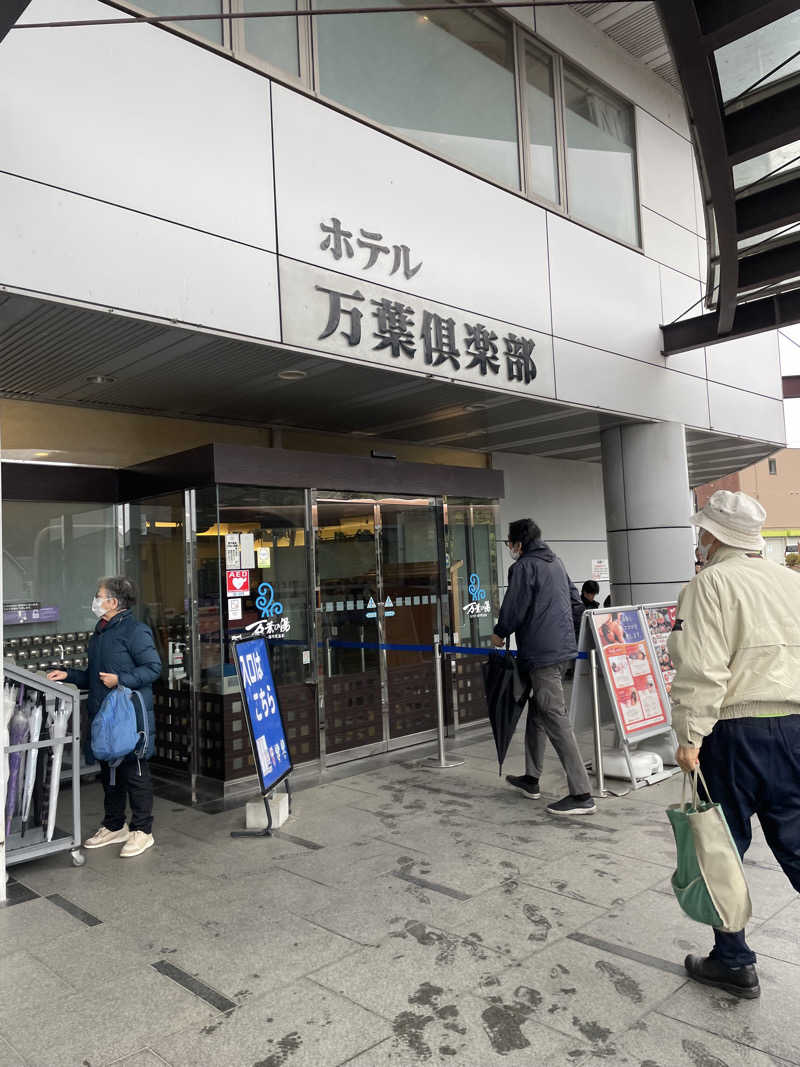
(634, 698)
(264, 723)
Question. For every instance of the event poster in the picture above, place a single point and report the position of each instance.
(660, 620)
(629, 666)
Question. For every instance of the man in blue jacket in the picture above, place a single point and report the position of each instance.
(538, 608)
(121, 652)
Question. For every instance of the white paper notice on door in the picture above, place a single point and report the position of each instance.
(233, 552)
(263, 558)
(235, 608)
(247, 552)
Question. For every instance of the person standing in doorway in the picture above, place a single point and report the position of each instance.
(736, 702)
(538, 610)
(121, 652)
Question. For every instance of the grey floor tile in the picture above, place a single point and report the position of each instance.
(239, 957)
(653, 924)
(32, 923)
(76, 1028)
(382, 978)
(366, 913)
(25, 984)
(770, 1024)
(300, 1025)
(348, 865)
(779, 936)
(145, 1057)
(656, 1039)
(584, 992)
(93, 955)
(518, 919)
(598, 877)
(8, 1056)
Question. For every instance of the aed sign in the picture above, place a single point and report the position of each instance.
(264, 720)
(238, 583)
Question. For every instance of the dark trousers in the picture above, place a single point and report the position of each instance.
(133, 783)
(752, 767)
(548, 719)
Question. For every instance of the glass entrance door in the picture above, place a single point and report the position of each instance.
(380, 580)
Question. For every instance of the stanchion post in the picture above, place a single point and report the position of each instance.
(598, 741)
(440, 762)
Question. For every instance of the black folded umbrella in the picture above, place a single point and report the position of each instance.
(506, 698)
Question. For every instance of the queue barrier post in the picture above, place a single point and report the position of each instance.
(440, 762)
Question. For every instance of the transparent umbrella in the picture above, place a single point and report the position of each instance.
(17, 735)
(57, 722)
(34, 730)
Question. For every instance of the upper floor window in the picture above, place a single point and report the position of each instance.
(773, 466)
(601, 157)
(469, 86)
(444, 79)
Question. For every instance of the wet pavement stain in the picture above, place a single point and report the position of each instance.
(447, 944)
(286, 1047)
(592, 1030)
(409, 1027)
(542, 925)
(623, 983)
(503, 1022)
(700, 1056)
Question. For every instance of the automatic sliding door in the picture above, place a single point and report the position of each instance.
(410, 563)
(349, 595)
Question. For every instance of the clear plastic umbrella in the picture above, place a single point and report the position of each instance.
(9, 704)
(34, 730)
(17, 735)
(57, 722)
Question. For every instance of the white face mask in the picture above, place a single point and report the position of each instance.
(515, 553)
(97, 606)
(703, 548)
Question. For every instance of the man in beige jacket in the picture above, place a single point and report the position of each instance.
(736, 701)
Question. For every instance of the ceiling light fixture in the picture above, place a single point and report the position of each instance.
(291, 375)
(99, 379)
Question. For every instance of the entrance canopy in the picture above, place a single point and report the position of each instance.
(65, 354)
(739, 66)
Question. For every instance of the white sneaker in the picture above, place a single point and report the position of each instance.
(137, 843)
(104, 836)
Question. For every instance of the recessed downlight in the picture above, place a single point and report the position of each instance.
(99, 379)
(291, 375)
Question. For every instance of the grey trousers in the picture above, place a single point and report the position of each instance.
(548, 718)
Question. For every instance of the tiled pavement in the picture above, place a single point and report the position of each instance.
(403, 916)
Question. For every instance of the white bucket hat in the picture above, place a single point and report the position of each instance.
(735, 519)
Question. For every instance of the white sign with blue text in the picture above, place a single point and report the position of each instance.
(265, 722)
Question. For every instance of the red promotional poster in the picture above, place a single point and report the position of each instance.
(238, 583)
(660, 619)
(630, 670)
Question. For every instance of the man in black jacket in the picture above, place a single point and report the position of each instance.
(538, 608)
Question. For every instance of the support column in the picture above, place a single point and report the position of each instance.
(646, 488)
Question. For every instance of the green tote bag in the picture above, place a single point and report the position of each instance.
(709, 879)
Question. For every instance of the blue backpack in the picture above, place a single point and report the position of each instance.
(119, 728)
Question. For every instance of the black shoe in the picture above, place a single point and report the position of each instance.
(573, 806)
(529, 786)
(742, 982)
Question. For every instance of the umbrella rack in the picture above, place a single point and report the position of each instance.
(21, 847)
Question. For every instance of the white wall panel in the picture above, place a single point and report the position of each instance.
(679, 299)
(603, 294)
(669, 243)
(64, 245)
(591, 48)
(666, 181)
(481, 249)
(598, 379)
(751, 363)
(744, 414)
(138, 117)
(565, 498)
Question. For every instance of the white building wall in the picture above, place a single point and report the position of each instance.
(565, 498)
(139, 177)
